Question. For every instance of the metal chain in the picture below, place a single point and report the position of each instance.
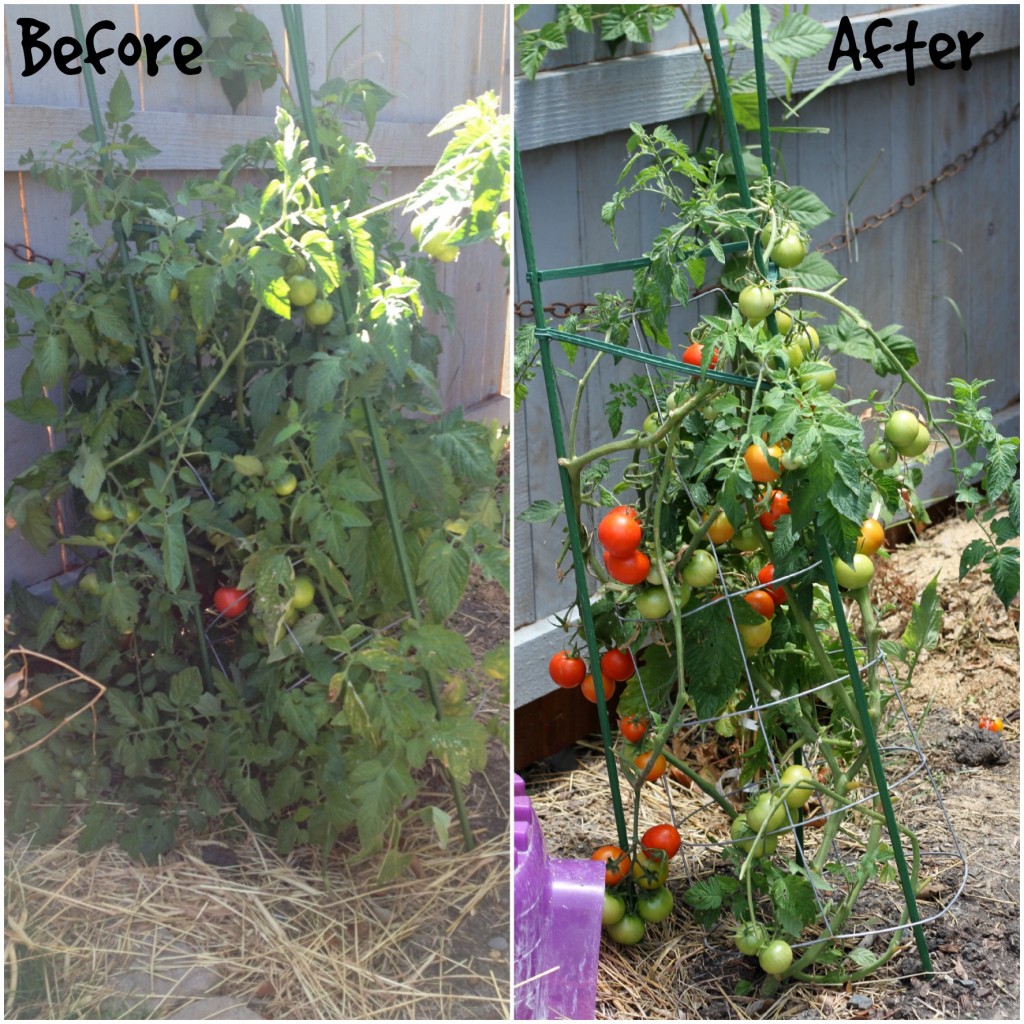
(27, 254)
(561, 310)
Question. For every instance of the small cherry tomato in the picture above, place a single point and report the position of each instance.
(756, 302)
(650, 869)
(616, 863)
(750, 937)
(633, 729)
(797, 775)
(721, 530)
(655, 905)
(230, 602)
(765, 576)
(658, 768)
(694, 355)
(632, 569)
(776, 957)
(614, 909)
(762, 603)
(619, 532)
(617, 664)
(566, 669)
(589, 690)
(662, 837)
(629, 931)
(760, 469)
(872, 537)
(754, 637)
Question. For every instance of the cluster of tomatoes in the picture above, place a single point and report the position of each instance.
(635, 893)
(991, 724)
(569, 670)
(304, 293)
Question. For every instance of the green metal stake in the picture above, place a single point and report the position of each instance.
(292, 15)
(575, 542)
(874, 754)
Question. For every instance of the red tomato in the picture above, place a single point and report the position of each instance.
(662, 837)
(657, 770)
(633, 728)
(765, 576)
(632, 569)
(230, 602)
(617, 664)
(778, 506)
(567, 669)
(762, 603)
(619, 532)
(616, 863)
(694, 355)
(589, 691)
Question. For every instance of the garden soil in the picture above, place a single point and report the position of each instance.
(677, 972)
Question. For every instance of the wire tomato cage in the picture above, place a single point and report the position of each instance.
(898, 772)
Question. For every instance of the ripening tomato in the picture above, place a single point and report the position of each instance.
(757, 462)
(859, 574)
(721, 530)
(754, 637)
(632, 569)
(756, 302)
(762, 603)
(567, 669)
(230, 602)
(662, 837)
(619, 532)
(617, 664)
(657, 769)
(650, 869)
(778, 506)
(616, 863)
(694, 355)
(872, 537)
(765, 576)
(633, 728)
(589, 690)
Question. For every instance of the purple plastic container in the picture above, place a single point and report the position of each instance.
(558, 906)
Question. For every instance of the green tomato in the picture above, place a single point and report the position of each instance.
(819, 375)
(789, 249)
(754, 637)
(132, 512)
(850, 577)
(66, 639)
(784, 322)
(807, 338)
(919, 444)
(302, 290)
(438, 246)
(89, 583)
(101, 509)
(304, 592)
(776, 957)
(746, 538)
(286, 485)
(745, 838)
(700, 570)
(750, 937)
(762, 811)
(901, 429)
(756, 302)
(628, 931)
(614, 909)
(106, 534)
(882, 455)
(653, 603)
(318, 313)
(796, 354)
(656, 905)
(799, 776)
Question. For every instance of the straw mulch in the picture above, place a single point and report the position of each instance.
(291, 938)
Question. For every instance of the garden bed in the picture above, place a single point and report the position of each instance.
(974, 671)
(286, 938)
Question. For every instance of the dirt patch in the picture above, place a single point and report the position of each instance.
(677, 972)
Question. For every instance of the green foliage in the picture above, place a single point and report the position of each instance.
(615, 23)
(211, 436)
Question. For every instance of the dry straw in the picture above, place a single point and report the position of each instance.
(290, 938)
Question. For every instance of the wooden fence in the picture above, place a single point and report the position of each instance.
(953, 253)
(431, 57)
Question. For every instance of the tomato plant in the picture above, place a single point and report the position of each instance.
(241, 383)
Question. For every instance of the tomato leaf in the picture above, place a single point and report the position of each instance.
(175, 552)
(443, 574)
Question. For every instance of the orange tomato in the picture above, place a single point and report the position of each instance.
(760, 470)
(872, 537)
(589, 691)
(657, 770)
